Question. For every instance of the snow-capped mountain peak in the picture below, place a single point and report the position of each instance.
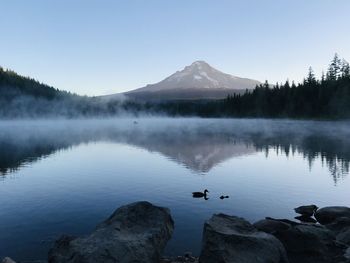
(197, 77)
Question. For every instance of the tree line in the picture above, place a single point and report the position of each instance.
(324, 97)
(328, 96)
(13, 85)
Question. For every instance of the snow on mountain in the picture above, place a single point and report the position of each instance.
(196, 81)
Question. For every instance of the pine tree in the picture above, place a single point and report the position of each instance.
(293, 84)
(323, 78)
(334, 68)
(345, 69)
(311, 77)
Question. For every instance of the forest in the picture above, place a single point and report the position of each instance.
(327, 97)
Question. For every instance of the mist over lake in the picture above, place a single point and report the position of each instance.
(64, 176)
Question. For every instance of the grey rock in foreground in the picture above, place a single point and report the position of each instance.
(230, 239)
(328, 215)
(133, 233)
(309, 243)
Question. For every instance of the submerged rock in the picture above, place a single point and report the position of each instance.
(328, 215)
(306, 210)
(133, 233)
(230, 239)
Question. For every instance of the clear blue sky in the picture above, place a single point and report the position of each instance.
(98, 47)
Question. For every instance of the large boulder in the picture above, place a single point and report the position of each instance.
(133, 233)
(230, 239)
(309, 243)
(327, 215)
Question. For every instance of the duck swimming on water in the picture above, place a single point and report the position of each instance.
(223, 197)
(200, 194)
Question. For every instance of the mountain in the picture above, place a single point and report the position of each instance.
(197, 81)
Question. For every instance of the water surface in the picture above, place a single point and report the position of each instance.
(66, 176)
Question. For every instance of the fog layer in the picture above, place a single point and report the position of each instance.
(198, 144)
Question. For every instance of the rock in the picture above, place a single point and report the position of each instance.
(306, 210)
(133, 233)
(329, 214)
(344, 237)
(347, 254)
(7, 260)
(230, 239)
(309, 243)
(339, 225)
(180, 259)
(271, 226)
(188, 254)
(306, 219)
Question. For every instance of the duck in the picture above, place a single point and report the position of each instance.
(223, 197)
(200, 194)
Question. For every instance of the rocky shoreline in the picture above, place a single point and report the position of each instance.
(139, 232)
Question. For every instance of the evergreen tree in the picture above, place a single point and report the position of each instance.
(311, 80)
(345, 69)
(323, 78)
(293, 84)
(334, 68)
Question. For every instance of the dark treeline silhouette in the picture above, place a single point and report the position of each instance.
(13, 85)
(313, 98)
(24, 97)
(327, 97)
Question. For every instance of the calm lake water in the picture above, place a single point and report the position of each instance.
(66, 176)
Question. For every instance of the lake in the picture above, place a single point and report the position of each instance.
(66, 176)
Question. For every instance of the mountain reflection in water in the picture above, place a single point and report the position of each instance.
(197, 144)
